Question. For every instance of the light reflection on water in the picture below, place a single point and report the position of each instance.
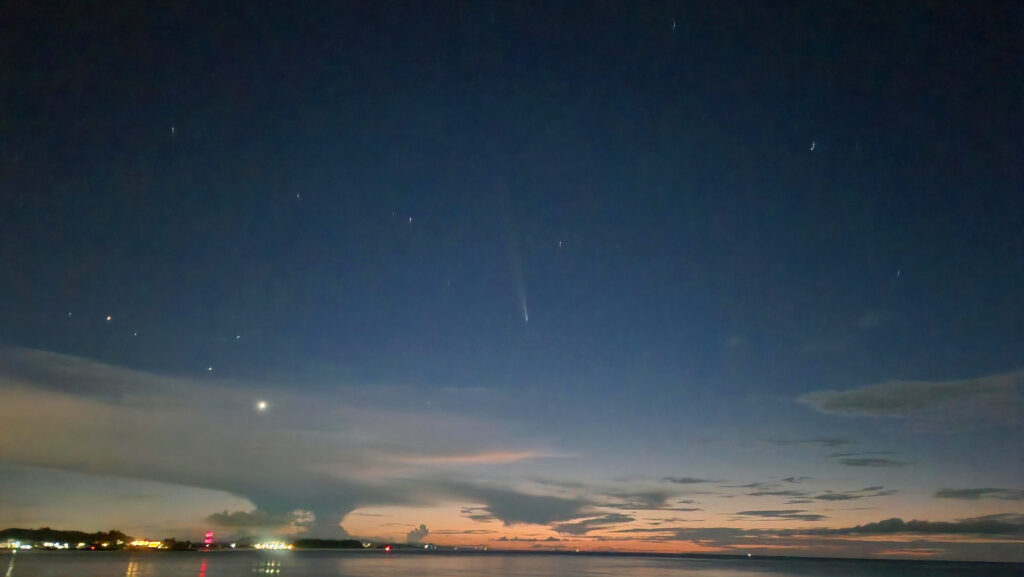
(267, 567)
(376, 564)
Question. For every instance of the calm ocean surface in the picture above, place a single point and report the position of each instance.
(376, 564)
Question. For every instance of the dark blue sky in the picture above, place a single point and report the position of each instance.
(712, 214)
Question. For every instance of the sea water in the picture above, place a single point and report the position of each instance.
(380, 564)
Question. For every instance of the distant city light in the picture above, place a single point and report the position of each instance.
(274, 546)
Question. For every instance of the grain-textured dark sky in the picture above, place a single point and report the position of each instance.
(775, 251)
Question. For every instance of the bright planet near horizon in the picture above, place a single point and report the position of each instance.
(773, 255)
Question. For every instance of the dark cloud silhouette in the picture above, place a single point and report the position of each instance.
(586, 525)
(996, 398)
(876, 491)
(778, 493)
(995, 525)
(792, 514)
(871, 462)
(828, 495)
(512, 507)
(796, 479)
(860, 454)
(998, 525)
(687, 480)
(476, 514)
(981, 493)
(417, 534)
(1002, 533)
(817, 442)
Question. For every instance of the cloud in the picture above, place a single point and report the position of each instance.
(258, 519)
(750, 486)
(778, 494)
(652, 500)
(465, 532)
(791, 514)
(585, 526)
(978, 539)
(994, 398)
(513, 507)
(876, 491)
(528, 539)
(818, 442)
(305, 453)
(828, 495)
(417, 534)
(975, 526)
(871, 462)
(1012, 518)
(861, 453)
(981, 493)
(771, 489)
(687, 480)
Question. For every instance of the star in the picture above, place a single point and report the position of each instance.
(109, 318)
(209, 369)
(812, 145)
(261, 406)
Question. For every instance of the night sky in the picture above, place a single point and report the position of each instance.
(738, 277)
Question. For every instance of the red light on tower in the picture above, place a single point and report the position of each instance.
(387, 548)
(208, 540)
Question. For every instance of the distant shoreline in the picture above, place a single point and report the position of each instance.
(412, 550)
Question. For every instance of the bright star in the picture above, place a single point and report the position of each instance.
(261, 406)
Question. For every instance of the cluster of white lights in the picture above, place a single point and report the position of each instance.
(14, 545)
(274, 546)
